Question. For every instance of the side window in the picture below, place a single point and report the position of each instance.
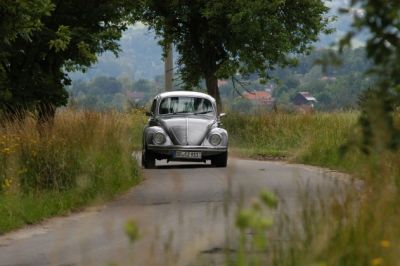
(165, 106)
(153, 106)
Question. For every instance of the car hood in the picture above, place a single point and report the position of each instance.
(187, 130)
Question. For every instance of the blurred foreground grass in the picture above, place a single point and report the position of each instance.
(358, 226)
(85, 157)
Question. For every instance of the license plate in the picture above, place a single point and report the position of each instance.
(188, 154)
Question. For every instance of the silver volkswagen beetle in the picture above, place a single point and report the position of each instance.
(184, 126)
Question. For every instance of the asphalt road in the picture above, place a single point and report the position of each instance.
(181, 210)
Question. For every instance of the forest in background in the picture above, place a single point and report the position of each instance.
(334, 87)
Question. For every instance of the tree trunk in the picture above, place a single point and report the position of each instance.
(169, 68)
(213, 90)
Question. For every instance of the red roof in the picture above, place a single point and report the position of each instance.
(258, 96)
(222, 82)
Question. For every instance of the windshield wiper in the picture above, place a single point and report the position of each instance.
(183, 112)
(204, 112)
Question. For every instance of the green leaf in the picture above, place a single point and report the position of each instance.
(63, 39)
(132, 231)
(269, 199)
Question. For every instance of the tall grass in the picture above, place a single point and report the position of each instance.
(361, 228)
(307, 138)
(82, 158)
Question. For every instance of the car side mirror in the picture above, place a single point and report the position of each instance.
(219, 118)
(149, 114)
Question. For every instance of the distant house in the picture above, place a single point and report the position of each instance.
(222, 82)
(136, 96)
(304, 101)
(327, 78)
(259, 97)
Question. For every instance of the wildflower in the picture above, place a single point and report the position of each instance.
(376, 261)
(7, 183)
(385, 243)
(7, 151)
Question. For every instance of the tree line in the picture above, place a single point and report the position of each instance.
(335, 88)
(109, 93)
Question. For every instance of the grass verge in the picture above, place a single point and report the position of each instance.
(305, 138)
(82, 159)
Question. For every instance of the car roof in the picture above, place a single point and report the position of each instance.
(185, 94)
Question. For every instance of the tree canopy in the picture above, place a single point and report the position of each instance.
(217, 39)
(19, 19)
(50, 38)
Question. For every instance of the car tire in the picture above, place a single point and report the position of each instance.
(148, 159)
(220, 160)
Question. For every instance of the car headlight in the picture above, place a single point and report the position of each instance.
(159, 138)
(215, 139)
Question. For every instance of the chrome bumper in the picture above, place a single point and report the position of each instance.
(169, 150)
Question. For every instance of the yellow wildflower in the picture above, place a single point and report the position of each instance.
(7, 183)
(385, 243)
(6, 151)
(376, 261)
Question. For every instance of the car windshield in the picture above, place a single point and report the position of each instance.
(186, 105)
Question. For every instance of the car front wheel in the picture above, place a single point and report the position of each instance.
(148, 159)
(220, 160)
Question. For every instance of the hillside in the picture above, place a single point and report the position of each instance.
(140, 57)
